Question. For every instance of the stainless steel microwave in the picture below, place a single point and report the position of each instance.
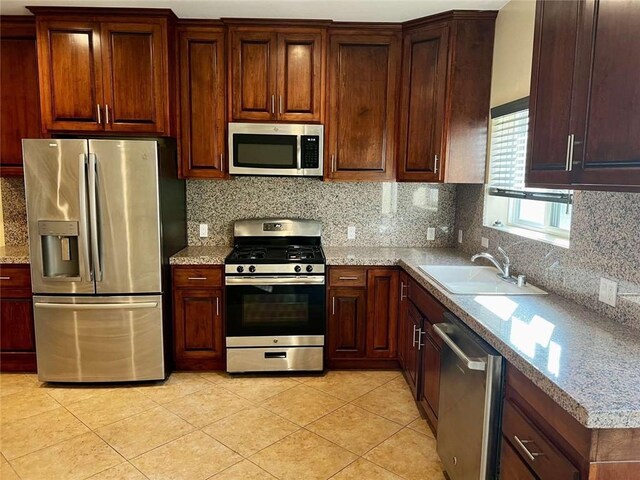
(276, 149)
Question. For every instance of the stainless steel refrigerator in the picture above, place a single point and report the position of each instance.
(104, 216)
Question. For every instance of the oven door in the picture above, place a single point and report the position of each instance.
(287, 310)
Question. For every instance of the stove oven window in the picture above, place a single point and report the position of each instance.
(283, 309)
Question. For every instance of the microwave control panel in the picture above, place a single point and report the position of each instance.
(310, 151)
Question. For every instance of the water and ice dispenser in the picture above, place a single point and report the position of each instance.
(60, 256)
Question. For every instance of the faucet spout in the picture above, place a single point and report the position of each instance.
(503, 269)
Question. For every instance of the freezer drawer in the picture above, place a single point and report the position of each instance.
(99, 339)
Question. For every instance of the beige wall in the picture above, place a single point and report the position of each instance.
(512, 52)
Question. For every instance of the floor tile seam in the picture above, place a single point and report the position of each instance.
(257, 402)
(78, 386)
(3, 424)
(418, 431)
(113, 466)
(334, 443)
(13, 470)
(262, 468)
(120, 419)
(387, 418)
(271, 445)
(130, 460)
(200, 427)
(326, 393)
(384, 468)
(273, 413)
(172, 399)
(48, 446)
(358, 457)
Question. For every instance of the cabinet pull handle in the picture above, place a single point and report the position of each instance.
(333, 305)
(99, 114)
(521, 443)
(402, 287)
(106, 114)
(273, 104)
(333, 162)
(280, 104)
(221, 161)
(570, 160)
(436, 161)
(348, 278)
(196, 278)
(5, 278)
(414, 335)
(420, 333)
(217, 306)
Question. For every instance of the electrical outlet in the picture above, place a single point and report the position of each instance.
(459, 236)
(485, 242)
(351, 232)
(431, 233)
(204, 230)
(608, 291)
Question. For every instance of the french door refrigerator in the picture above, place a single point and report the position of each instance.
(104, 216)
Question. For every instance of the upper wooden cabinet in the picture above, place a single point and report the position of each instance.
(585, 98)
(104, 71)
(277, 73)
(364, 71)
(20, 112)
(202, 94)
(446, 83)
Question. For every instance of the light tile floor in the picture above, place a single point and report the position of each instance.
(342, 425)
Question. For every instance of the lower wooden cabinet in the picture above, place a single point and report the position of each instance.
(198, 320)
(362, 320)
(512, 467)
(17, 332)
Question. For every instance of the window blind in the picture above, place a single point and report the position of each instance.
(508, 154)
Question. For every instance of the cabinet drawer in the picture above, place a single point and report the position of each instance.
(14, 277)
(535, 449)
(348, 277)
(511, 465)
(197, 276)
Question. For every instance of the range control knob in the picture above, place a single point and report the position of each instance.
(252, 268)
(297, 268)
(309, 268)
(240, 269)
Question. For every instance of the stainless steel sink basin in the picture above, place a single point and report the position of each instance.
(469, 280)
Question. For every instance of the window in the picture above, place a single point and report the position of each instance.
(533, 212)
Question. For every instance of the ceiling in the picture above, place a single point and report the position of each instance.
(339, 10)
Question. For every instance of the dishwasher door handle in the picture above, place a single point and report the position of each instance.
(471, 363)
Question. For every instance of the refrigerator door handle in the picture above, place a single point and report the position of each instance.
(96, 306)
(93, 214)
(82, 174)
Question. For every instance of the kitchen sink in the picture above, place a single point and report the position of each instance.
(471, 280)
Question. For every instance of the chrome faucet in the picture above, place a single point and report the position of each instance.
(504, 268)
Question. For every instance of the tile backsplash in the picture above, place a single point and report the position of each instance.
(605, 242)
(384, 214)
(14, 211)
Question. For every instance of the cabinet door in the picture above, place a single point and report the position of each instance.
(70, 71)
(202, 103)
(424, 78)
(346, 329)
(16, 321)
(382, 313)
(198, 329)
(300, 77)
(611, 119)
(363, 78)
(253, 75)
(551, 93)
(412, 353)
(430, 384)
(136, 89)
(20, 113)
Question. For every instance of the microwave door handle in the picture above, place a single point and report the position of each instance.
(299, 153)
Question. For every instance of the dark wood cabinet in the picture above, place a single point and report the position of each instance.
(444, 103)
(362, 305)
(412, 324)
(347, 320)
(403, 312)
(202, 94)
(430, 388)
(512, 466)
(585, 102)
(17, 332)
(277, 73)
(364, 68)
(20, 112)
(104, 71)
(198, 320)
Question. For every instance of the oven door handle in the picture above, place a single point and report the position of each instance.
(282, 280)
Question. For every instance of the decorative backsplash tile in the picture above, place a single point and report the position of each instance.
(14, 211)
(605, 242)
(384, 214)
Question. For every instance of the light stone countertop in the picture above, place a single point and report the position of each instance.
(15, 254)
(200, 255)
(588, 364)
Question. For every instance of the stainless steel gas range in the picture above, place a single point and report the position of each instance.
(275, 296)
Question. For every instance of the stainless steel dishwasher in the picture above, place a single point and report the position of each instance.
(470, 399)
